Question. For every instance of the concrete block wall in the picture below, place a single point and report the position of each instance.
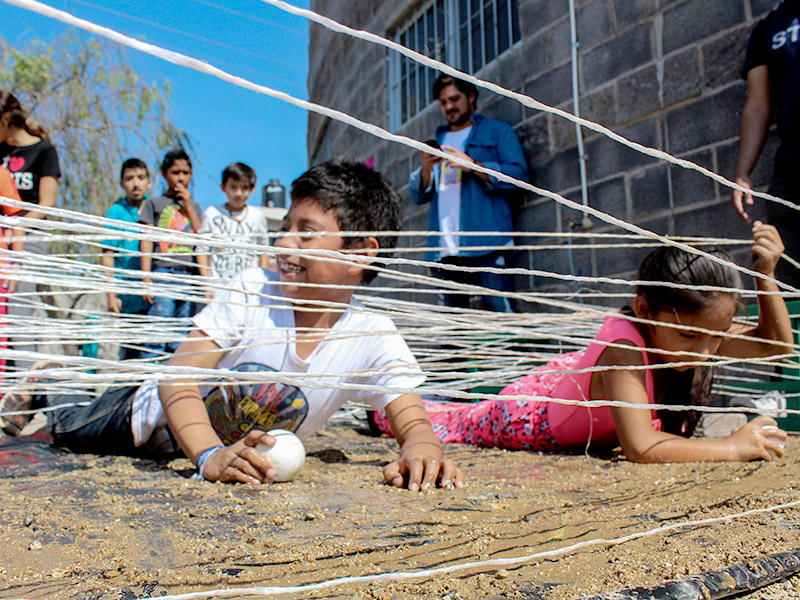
(659, 72)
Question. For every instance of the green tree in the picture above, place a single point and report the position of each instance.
(96, 109)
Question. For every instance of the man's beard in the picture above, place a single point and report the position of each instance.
(462, 119)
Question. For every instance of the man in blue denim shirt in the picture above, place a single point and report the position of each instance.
(465, 200)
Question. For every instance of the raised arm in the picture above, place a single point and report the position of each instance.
(642, 443)
(774, 325)
(753, 133)
(421, 459)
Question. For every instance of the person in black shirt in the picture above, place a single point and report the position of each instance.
(30, 157)
(772, 70)
(26, 152)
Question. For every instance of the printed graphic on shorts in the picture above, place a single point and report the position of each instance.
(238, 405)
(173, 218)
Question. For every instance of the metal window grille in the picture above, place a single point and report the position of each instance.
(466, 34)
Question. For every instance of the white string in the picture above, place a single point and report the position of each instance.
(498, 360)
(479, 565)
(195, 64)
(156, 234)
(521, 98)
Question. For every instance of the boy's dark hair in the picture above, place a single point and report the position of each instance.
(133, 163)
(171, 157)
(360, 197)
(465, 87)
(237, 170)
(673, 265)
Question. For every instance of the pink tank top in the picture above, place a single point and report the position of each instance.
(572, 425)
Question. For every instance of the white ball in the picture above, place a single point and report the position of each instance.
(768, 429)
(286, 456)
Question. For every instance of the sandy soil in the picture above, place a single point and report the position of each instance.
(113, 527)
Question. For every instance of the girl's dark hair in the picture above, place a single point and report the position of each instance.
(17, 117)
(672, 265)
(669, 264)
(360, 198)
(171, 157)
(693, 385)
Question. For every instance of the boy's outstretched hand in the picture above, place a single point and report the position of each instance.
(422, 462)
(420, 466)
(241, 462)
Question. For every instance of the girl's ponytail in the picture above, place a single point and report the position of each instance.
(693, 385)
(12, 111)
(35, 128)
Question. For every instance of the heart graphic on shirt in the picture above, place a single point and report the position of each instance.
(15, 163)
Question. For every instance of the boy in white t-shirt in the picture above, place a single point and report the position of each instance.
(234, 221)
(282, 350)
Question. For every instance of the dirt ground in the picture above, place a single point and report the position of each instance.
(80, 527)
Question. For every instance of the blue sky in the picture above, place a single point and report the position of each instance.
(247, 38)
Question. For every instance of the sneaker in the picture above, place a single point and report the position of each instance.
(11, 425)
(772, 404)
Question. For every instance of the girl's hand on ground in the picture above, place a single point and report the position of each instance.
(241, 462)
(420, 466)
(752, 441)
(767, 248)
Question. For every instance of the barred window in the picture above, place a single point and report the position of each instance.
(465, 34)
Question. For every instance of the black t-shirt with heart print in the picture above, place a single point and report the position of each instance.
(28, 164)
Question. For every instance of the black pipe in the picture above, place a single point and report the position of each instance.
(714, 585)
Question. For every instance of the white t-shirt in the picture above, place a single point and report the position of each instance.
(254, 324)
(248, 226)
(450, 194)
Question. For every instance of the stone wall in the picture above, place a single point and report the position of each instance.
(661, 73)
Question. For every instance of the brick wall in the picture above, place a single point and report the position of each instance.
(661, 73)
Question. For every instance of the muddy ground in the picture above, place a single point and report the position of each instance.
(79, 526)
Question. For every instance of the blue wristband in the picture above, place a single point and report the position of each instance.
(204, 456)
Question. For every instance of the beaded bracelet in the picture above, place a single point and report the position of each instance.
(204, 456)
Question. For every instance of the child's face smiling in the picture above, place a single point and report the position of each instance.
(306, 217)
(716, 317)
